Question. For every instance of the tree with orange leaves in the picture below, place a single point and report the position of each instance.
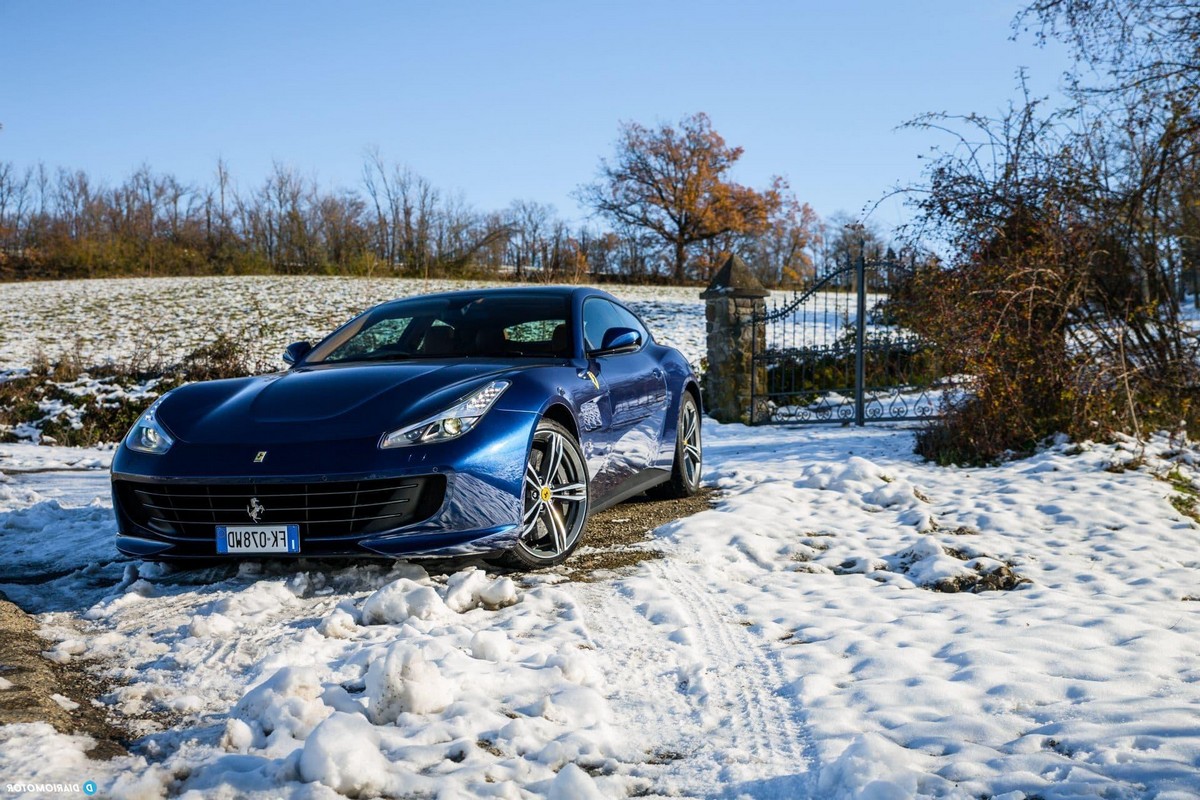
(672, 182)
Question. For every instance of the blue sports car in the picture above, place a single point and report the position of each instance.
(487, 422)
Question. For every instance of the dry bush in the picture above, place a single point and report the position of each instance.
(101, 422)
(224, 357)
(1058, 295)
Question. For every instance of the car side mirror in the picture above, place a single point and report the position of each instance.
(296, 351)
(619, 340)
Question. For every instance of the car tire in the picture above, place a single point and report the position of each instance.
(689, 454)
(555, 500)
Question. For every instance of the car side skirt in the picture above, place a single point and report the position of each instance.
(639, 483)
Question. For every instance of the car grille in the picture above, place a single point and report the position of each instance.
(322, 509)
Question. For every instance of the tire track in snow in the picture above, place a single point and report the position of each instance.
(745, 675)
(714, 699)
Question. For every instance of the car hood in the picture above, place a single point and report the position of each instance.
(321, 403)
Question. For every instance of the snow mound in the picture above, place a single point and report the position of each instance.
(402, 681)
(472, 588)
(288, 701)
(499, 593)
(343, 753)
(400, 600)
(212, 626)
(406, 599)
(871, 768)
(930, 565)
(572, 783)
(339, 624)
(491, 645)
(463, 589)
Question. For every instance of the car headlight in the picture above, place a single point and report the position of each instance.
(148, 434)
(451, 423)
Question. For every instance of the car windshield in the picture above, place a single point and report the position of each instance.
(491, 325)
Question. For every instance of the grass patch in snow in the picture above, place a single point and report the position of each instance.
(1000, 578)
(1119, 467)
(939, 568)
(74, 405)
(1186, 497)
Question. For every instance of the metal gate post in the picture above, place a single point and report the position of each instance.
(754, 369)
(860, 334)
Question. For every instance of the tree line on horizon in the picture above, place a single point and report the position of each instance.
(665, 209)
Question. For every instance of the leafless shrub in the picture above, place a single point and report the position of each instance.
(1061, 290)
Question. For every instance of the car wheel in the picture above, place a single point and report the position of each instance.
(689, 454)
(555, 492)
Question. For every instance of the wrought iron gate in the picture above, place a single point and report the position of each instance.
(835, 354)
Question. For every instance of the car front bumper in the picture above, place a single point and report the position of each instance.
(478, 510)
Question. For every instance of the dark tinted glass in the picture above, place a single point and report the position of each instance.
(502, 326)
(627, 319)
(599, 316)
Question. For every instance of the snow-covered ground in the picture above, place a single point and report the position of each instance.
(788, 644)
(162, 319)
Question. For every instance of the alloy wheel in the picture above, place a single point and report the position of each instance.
(556, 494)
(692, 456)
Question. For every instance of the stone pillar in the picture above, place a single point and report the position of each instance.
(731, 301)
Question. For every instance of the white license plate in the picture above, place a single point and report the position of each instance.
(258, 539)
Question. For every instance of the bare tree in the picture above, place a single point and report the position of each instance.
(405, 207)
(14, 205)
(528, 223)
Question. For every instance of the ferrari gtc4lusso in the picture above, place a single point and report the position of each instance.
(488, 422)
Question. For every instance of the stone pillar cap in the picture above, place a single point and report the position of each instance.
(734, 279)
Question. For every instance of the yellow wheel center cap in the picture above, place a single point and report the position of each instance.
(545, 493)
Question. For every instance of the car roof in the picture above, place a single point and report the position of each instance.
(514, 291)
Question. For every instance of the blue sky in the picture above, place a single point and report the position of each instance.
(501, 100)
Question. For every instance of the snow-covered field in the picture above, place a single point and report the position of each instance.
(152, 322)
(163, 319)
(787, 645)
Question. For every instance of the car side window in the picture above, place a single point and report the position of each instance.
(597, 319)
(599, 316)
(627, 319)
